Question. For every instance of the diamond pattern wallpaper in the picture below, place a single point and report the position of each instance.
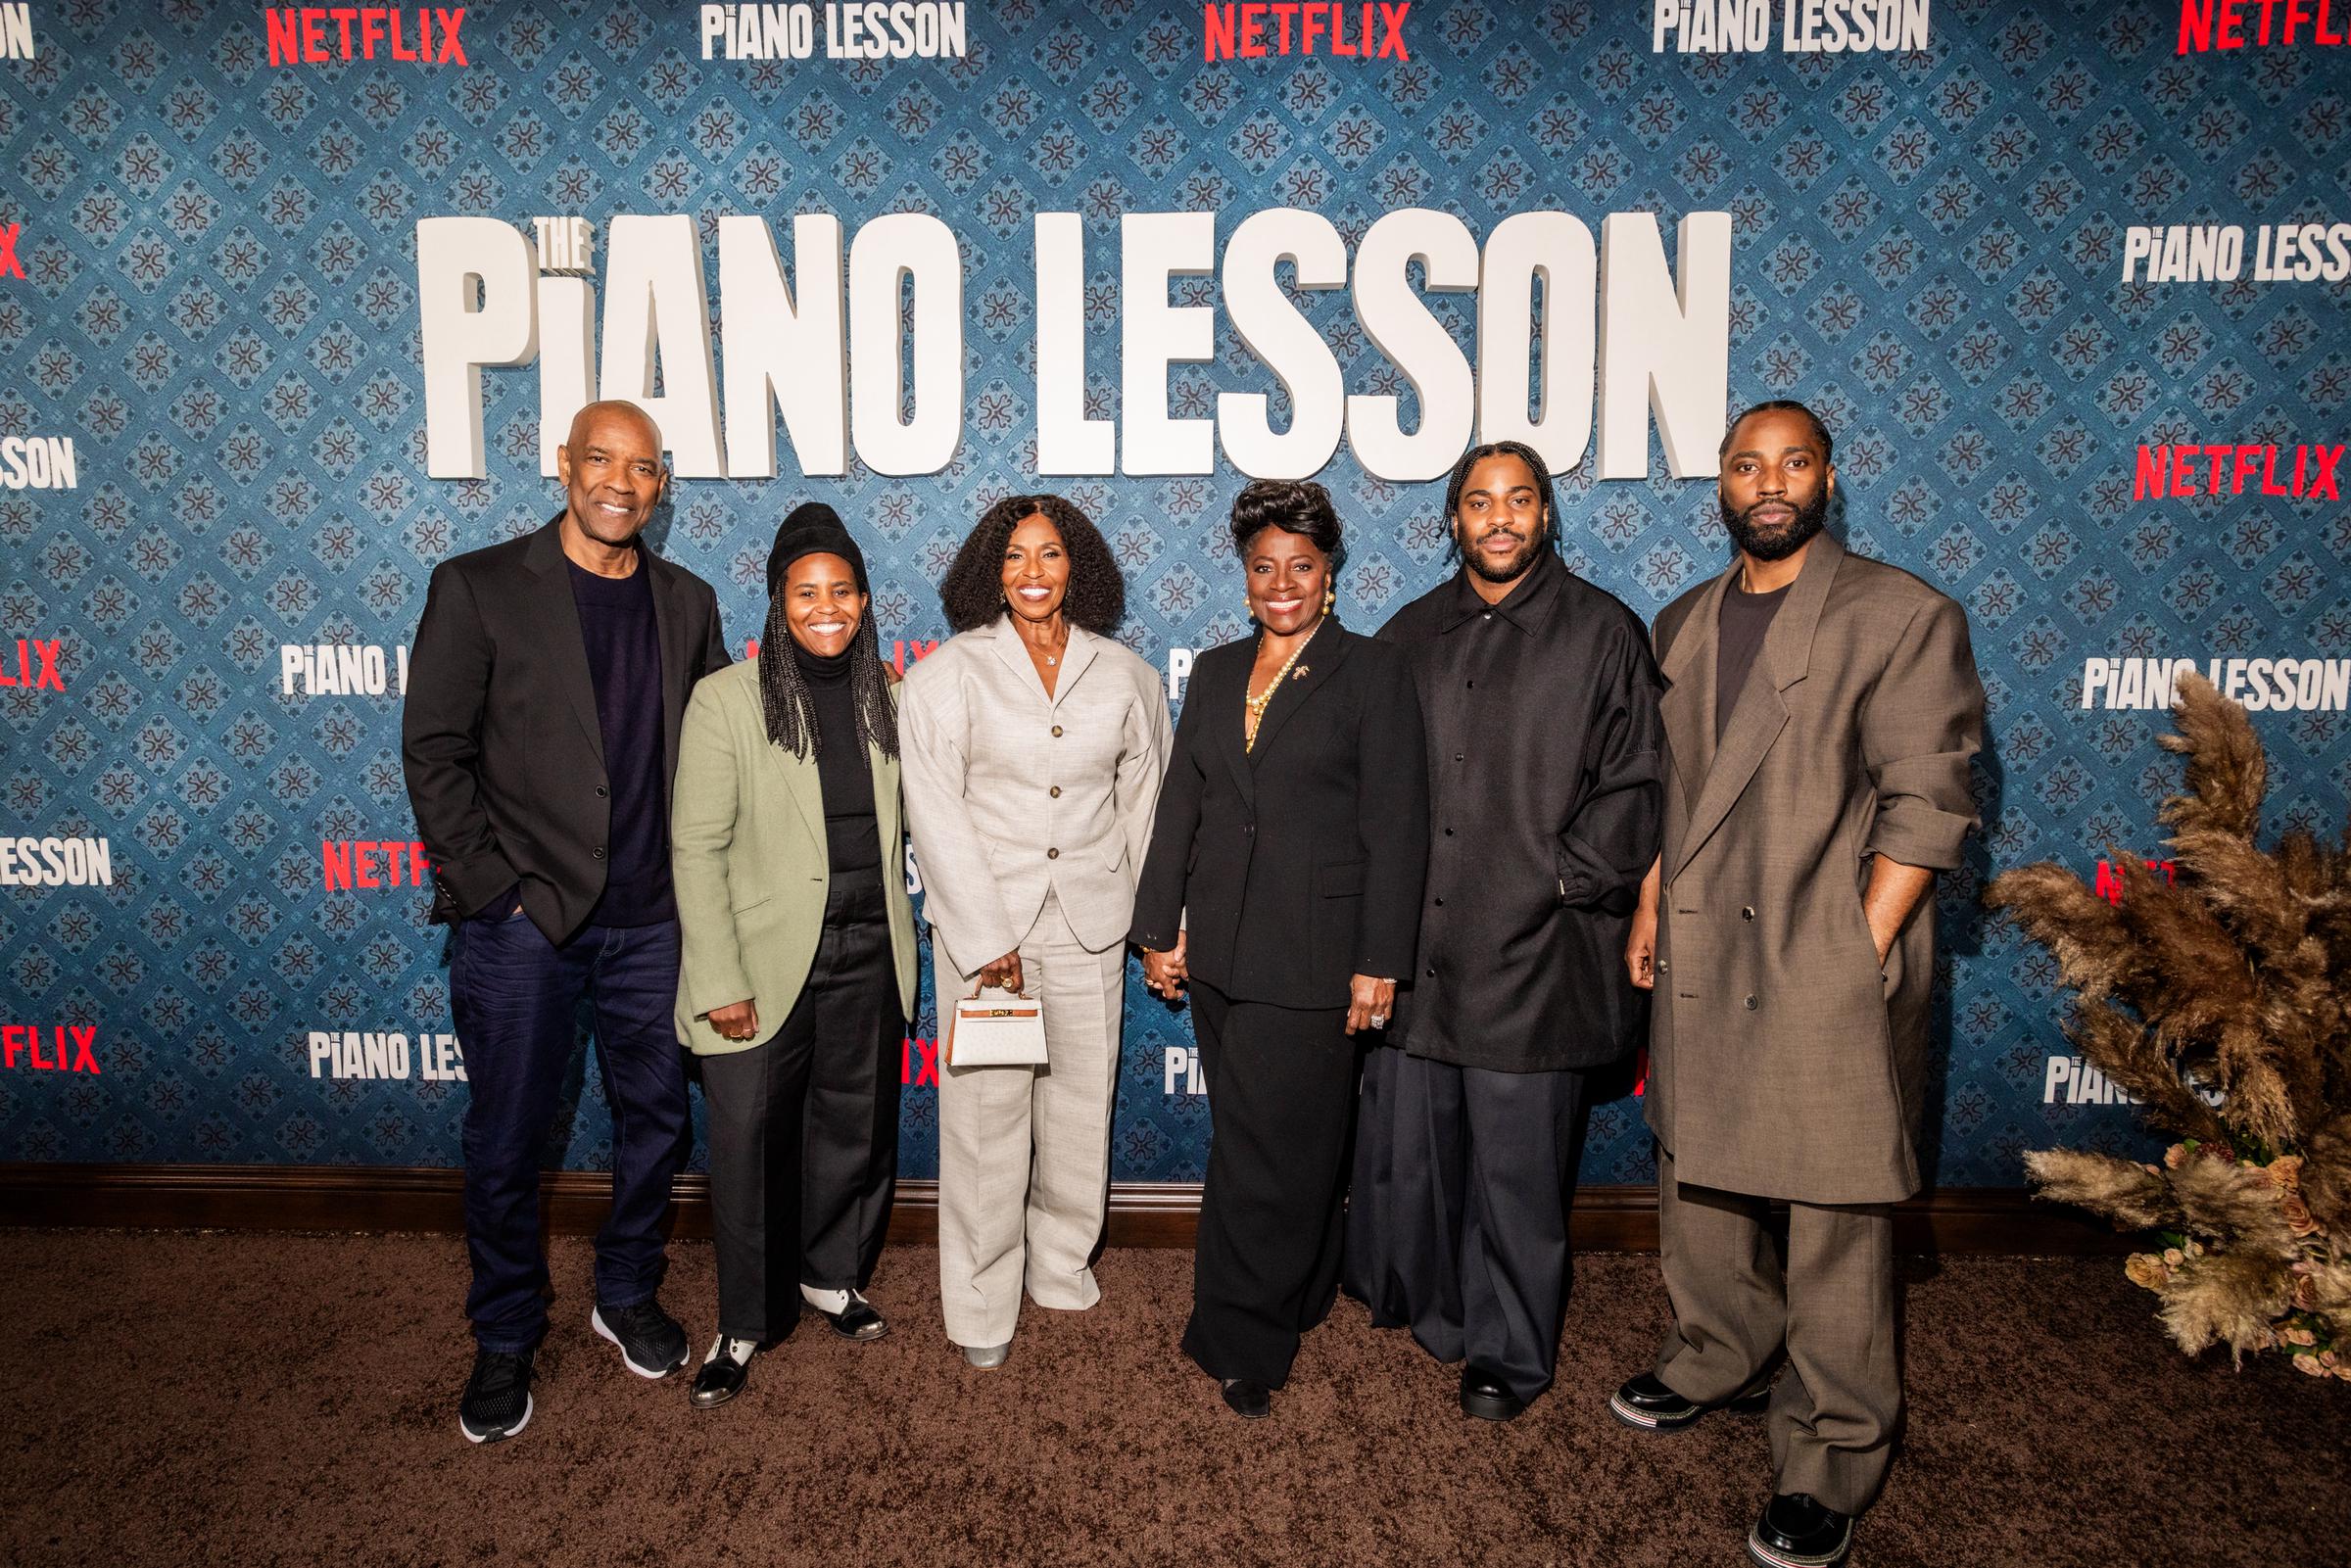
(213, 295)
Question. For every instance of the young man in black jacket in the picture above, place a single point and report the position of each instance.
(539, 737)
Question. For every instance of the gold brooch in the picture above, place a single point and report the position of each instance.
(1301, 675)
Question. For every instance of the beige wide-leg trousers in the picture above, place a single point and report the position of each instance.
(1837, 1406)
(1023, 1152)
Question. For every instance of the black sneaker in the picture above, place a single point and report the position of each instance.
(1798, 1531)
(498, 1396)
(652, 1344)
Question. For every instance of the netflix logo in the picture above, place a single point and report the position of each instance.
(1332, 28)
(2208, 25)
(349, 864)
(2109, 884)
(2180, 471)
(49, 1048)
(918, 1064)
(30, 662)
(314, 35)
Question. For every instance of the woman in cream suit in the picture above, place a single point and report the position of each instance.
(1033, 748)
(797, 969)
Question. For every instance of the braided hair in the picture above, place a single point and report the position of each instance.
(791, 711)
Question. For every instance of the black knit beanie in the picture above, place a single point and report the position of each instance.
(814, 529)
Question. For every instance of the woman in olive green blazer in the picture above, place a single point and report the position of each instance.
(799, 967)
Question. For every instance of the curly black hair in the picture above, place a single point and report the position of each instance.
(1295, 506)
(973, 591)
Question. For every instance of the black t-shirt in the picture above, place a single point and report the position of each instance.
(844, 774)
(623, 641)
(1745, 621)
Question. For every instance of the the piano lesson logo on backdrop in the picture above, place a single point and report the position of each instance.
(35, 862)
(2218, 253)
(372, 1054)
(341, 669)
(15, 32)
(861, 29)
(49, 1047)
(2274, 684)
(2208, 25)
(1806, 26)
(314, 35)
(1341, 30)
(34, 462)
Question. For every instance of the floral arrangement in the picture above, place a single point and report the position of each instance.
(2219, 1000)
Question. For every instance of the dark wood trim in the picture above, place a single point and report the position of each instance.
(360, 1198)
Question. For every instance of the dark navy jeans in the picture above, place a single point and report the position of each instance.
(514, 995)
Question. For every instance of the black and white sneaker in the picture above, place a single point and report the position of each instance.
(498, 1396)
(652, 1344)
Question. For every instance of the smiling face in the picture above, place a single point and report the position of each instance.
(1287, 575)
(1499, 518)
(821, 603)
(610, 465)
(1775, 484)
(1036, 569)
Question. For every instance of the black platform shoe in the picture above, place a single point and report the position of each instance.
(1798, 1531)
(1645, 1403)
(1488, 1397)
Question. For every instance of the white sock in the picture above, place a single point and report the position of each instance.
(829, 1301)
(739, 1352)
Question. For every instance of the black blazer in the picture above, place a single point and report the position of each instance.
(499, 735)
(1299, 864)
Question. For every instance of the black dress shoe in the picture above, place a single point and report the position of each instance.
(1252, 1401)
(1488, 1397)
(857, 1321)
(1645, 1403)
(1798, 1531)
(724, 1373)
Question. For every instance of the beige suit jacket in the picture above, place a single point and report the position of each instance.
(1011, 793)
(748, 858)
(1783, 1061)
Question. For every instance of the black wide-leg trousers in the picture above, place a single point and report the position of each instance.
(1281, 1098)
(1457, 1226)
(804, 1128)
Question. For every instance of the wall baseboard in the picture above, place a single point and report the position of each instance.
(363, 1197)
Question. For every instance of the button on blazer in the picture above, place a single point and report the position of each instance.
(1012, 793)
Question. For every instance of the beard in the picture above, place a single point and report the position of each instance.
(1510, 570)
(1769, 543)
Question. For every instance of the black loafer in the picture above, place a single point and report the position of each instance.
(721, 1377)
(857, 1321)
(1647, 1404)
(1252, 1401)
(1488, 1397)
(1798, 1531)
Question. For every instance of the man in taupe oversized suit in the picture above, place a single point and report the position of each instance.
(1821, 715)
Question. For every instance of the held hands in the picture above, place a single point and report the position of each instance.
(1165, 973)
(1004, 973)
(1369, 1002)
(737, 1021)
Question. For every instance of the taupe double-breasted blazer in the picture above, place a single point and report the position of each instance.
(1783, 1061)
(1011, 792)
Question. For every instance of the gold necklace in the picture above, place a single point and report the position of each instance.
(1257, 704)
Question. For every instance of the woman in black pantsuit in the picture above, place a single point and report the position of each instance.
(1284, 885)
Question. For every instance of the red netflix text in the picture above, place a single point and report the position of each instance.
(51, 1048)
(918, 1063)
(313, 35)
(2207, 24)
(34, 666)
(2301, 470)
(2109, 884)
(352, 863)
(1253, 30)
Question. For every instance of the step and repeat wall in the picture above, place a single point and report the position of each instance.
(294, 302)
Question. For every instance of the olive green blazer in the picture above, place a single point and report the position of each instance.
(746, 853)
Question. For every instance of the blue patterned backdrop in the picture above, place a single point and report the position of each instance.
(218, 307)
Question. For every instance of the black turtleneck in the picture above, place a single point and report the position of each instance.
(852, 837)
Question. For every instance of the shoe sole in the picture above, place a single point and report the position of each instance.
(1770, 1558)
(701, 1403)
(1641, 1421)
(857, 1338)
(595, 1320)
(985, 1366)
(1488, 1408)
(498, 1436)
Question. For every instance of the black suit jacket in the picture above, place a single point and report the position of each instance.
(499, 735)
(1299, 864)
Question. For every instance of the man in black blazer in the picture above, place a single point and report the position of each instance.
(538, 737)
(1546, 797)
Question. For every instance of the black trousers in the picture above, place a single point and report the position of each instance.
(1458, 1225)
(804, 1128)
(1281, 1096)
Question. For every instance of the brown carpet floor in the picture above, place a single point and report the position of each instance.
(247, 1400)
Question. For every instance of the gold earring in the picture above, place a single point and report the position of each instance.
(1331, 596)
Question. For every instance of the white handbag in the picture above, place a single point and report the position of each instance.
(996, 1028)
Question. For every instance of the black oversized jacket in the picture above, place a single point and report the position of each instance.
(498, 736)
(1298, 864)
(1546, 800)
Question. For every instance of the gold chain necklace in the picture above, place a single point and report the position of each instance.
(1257, 704)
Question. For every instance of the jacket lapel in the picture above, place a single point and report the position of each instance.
(677, 654)
(567, 644)
(1688, 706)
(1785, 659)
(1322, 656)
(1015, 655)
(799, 775)
(1228, 722)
